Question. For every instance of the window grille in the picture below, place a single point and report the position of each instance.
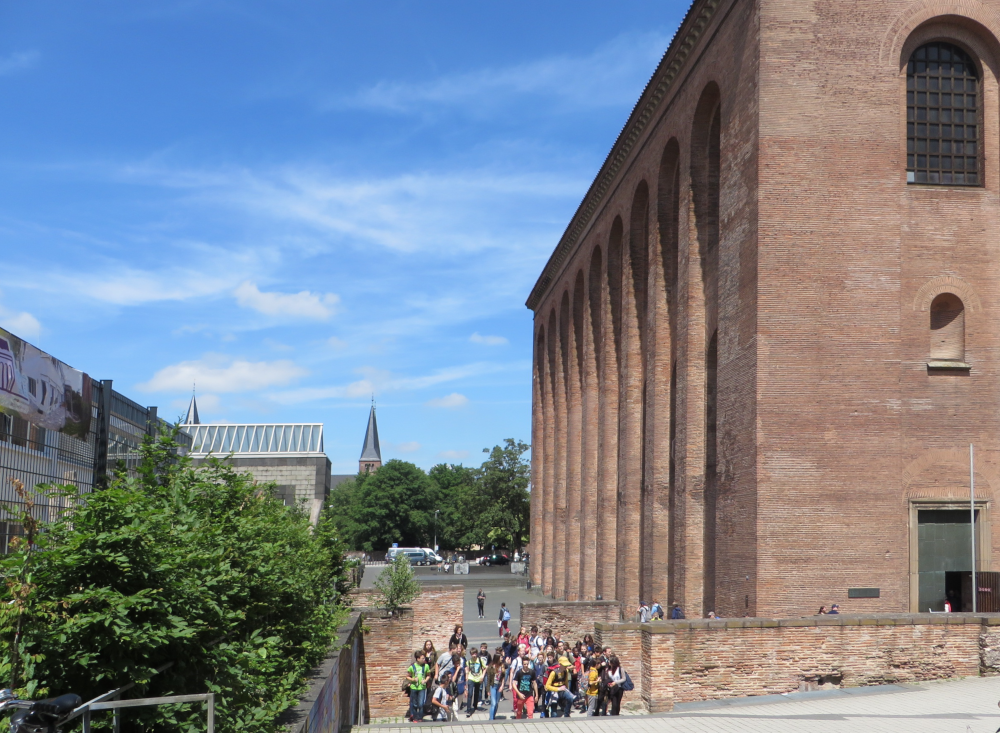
(942, 117)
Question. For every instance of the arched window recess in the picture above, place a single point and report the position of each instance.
(947, 316)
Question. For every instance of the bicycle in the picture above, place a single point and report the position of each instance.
(38, 716)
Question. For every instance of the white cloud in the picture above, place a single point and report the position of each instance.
(277, 345)
(488, 340)
(409, 447)
(216, 373)
(379, 381)
(612, 74)
(336, 343)
(443, 212)
(18, 62)
(123, 285)
(21, 324)
(304, 304)
(453, 455)
(449, 401)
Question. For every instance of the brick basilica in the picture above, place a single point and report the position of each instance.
(770, 333)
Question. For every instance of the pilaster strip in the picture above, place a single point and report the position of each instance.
(691, 29)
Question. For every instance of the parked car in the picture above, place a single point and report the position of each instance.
(497, 559)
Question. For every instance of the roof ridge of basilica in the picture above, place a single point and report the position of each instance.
(689, 32)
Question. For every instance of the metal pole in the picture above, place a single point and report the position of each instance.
(972, 516)
(86, 721)
(211, 712)
(436, 529)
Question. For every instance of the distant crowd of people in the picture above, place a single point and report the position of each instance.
(539, 671)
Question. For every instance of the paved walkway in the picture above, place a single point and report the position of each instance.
(959, 706)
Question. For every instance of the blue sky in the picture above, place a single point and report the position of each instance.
(299, 204)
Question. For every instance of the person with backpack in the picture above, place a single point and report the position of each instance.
(614, 680)
(676, 613)
(477, 673)
(504, 621)
(442, 700)
(656, 611)
(558, 683)
(418, 675)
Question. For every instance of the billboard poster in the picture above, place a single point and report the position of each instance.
(41, 389)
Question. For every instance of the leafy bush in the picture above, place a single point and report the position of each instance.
(200, 567)
(396, 585)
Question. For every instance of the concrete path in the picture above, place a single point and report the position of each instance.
(958, 706)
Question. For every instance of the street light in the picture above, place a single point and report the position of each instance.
(436, 529)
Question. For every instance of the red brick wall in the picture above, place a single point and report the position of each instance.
(687, 661)
(569, 620)
(388, 651)
(829, 422)
(436, 612)
(390, 643)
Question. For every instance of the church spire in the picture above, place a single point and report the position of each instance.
(192, 416)
(371, 455)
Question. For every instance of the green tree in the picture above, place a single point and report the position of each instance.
(502, 484)
(456, 498)
(396, 585)
(394, 505)
(203, 568)
(342, 508)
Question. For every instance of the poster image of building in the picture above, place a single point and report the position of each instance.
(41, 389)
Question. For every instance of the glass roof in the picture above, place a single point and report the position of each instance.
(225, 439)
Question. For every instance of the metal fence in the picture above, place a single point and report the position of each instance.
(33, 455)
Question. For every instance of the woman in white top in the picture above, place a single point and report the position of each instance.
(614, 676)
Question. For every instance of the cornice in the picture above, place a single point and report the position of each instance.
(698, 17)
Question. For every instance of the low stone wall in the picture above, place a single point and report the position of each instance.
(337, 697)
(569, 619)
(390, 642)
(686, 661)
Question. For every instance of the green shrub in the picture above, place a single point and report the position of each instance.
(200, 567)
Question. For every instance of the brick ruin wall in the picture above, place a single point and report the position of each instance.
(390, 642)
(688, 661)
(570, 620)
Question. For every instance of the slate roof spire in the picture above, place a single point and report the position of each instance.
(371, 454)
(192, 416)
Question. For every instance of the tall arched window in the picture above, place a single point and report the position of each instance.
(947, 328)
(942, 117)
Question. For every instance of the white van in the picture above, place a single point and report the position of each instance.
(417, 555)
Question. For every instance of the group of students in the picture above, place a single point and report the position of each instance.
(540, 671)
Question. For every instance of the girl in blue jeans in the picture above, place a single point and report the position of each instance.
(494, 679)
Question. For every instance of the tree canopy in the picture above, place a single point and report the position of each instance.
(202, 568)
(475, 507)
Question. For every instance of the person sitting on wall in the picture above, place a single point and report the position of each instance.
(834, 609)
(822, 611)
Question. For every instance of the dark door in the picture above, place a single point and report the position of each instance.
(944, 538)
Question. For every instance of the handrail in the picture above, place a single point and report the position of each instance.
(98, 704)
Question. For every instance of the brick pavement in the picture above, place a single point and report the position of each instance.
(962, 706)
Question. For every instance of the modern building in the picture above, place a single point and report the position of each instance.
(771, 331)
(58, 426)
(289, 454)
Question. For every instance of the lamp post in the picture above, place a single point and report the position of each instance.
(436, 529)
